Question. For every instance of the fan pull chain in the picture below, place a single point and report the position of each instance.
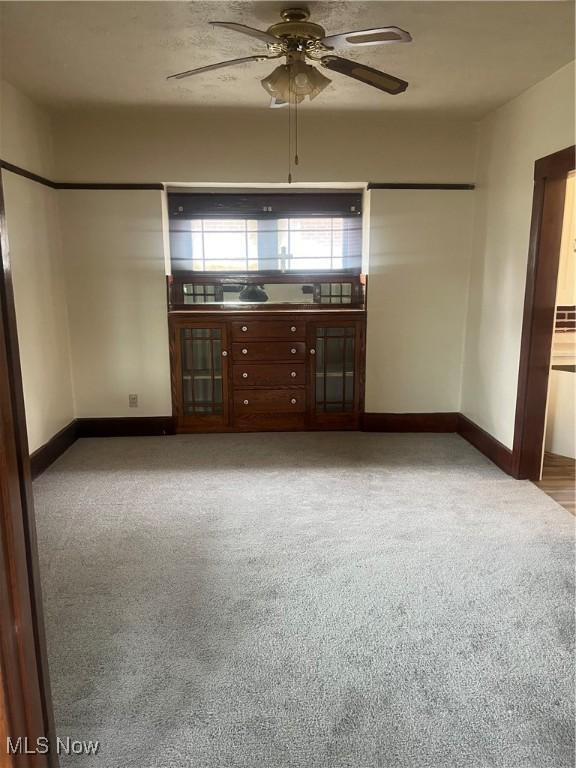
(289, 125)
(296, 134)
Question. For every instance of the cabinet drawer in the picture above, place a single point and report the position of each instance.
(271, 375)
(269, 400)
(268, 351)
(268, 329)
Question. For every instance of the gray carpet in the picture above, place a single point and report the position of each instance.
(306, 601)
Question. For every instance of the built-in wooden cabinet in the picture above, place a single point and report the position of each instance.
(200, 374)
(336, 372)
(267, 350)
(267, 370)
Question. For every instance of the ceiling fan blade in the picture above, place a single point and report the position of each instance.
(378, 36)
(365, 74)
(250, 31)
(230, 63)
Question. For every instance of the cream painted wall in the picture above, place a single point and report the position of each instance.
(114, 256)
(33, 227)
(219, 146)
(417, 291)
(25, 132)
(419, 261)
(113, 354)
(41, 312)
(536, 123)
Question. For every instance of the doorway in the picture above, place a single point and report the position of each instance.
(559, 460)
(550, 180)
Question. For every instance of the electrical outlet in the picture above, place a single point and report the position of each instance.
(133, 401)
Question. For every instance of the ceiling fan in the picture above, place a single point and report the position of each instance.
(298, 39)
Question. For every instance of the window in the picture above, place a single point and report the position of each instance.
(289, 232)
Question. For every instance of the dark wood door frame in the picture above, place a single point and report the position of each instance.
(23, 663)
(550, 174)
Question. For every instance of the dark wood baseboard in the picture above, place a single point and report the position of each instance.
(443, 422)
(410, 422)
(141, 426)
(47, 454)
(135, 426)
(128, 426)
(491, 448)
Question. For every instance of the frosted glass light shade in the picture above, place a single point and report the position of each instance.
(296, 80)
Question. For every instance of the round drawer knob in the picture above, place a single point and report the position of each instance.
(244, 328)
(244, 351)
(312, 351)
(293, 401)
(244, 375)
(224, 354)
(293, 329)
(246, 402)
(293, 374)
(293, 351)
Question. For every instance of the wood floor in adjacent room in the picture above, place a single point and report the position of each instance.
(559, 480)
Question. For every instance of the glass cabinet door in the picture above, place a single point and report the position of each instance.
(202, 374)
(334, 372)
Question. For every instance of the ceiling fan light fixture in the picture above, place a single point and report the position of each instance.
(294, 81)
(317, 83)
(277, 83)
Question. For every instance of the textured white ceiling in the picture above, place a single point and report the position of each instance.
(466, 57)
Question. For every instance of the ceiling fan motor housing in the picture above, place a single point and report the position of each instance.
(295, 26)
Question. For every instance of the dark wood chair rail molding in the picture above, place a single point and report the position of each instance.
(27, 174)
(158, 185)
(73, 184)
(392, 185)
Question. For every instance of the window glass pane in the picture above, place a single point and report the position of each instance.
(222, 247)
(223, 225)
(196, 247)
(306, 243)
